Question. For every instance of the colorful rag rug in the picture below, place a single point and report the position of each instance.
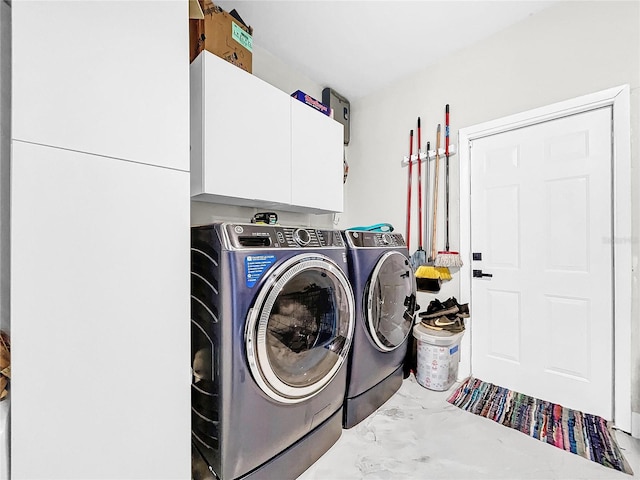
(586, 435)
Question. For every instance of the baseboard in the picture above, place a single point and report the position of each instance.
(635, 424)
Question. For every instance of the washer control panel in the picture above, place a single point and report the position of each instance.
(244, 236)
(364, 239)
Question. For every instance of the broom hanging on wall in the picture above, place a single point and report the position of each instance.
(419, 257)
(428, 278)
(447, 258)
(410, 179)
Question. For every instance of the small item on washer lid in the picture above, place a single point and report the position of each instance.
(266, 218)
(378, 227)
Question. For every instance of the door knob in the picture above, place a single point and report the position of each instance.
(479, 274)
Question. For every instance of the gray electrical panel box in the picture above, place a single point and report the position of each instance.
(341, 109)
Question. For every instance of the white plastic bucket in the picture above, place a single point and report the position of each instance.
(438, 357)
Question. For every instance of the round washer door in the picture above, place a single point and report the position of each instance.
(391, 301)
(299, 331)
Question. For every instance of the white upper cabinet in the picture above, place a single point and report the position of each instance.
(103, 77)
(317, 147)
(254, 145)
(240, 138)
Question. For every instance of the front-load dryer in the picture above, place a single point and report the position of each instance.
(385, 293)
(272, 320)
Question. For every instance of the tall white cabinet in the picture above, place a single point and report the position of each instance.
(100, 240)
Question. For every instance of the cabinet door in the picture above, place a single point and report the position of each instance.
(316, 159)
(104, 77)
(100, 317)
(240, 135)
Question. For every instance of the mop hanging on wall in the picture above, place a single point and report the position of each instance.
(447, 258)
(443, 272)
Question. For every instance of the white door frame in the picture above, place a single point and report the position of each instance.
(619, 99)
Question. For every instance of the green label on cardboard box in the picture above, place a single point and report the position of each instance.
(242, 37)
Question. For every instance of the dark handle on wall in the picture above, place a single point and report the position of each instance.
(479, 274)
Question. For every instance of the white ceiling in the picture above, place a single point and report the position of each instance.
(358, 47)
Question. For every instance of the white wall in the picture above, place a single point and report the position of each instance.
(568, 50)
(273, 71)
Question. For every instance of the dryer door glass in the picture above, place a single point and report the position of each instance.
(391, 301)
(300, 330)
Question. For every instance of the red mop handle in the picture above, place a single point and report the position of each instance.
(446, 130)
(409, 188)
(419, 190)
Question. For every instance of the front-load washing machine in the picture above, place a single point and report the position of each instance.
(385, 292)
(272, 320)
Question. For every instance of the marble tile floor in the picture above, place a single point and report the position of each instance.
(418, 435)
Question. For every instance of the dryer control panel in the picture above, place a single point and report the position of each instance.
(245, 236)
(364, 239)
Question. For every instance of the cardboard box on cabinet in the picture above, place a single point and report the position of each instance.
(219, 32)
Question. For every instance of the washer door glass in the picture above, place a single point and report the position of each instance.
(299, 332)
(391, 301)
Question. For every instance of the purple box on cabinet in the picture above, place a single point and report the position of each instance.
(312, 102)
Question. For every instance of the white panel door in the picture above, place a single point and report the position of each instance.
(316, 159)
(100, 317)
(541, 218)
(103, 77)
(243, 134)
